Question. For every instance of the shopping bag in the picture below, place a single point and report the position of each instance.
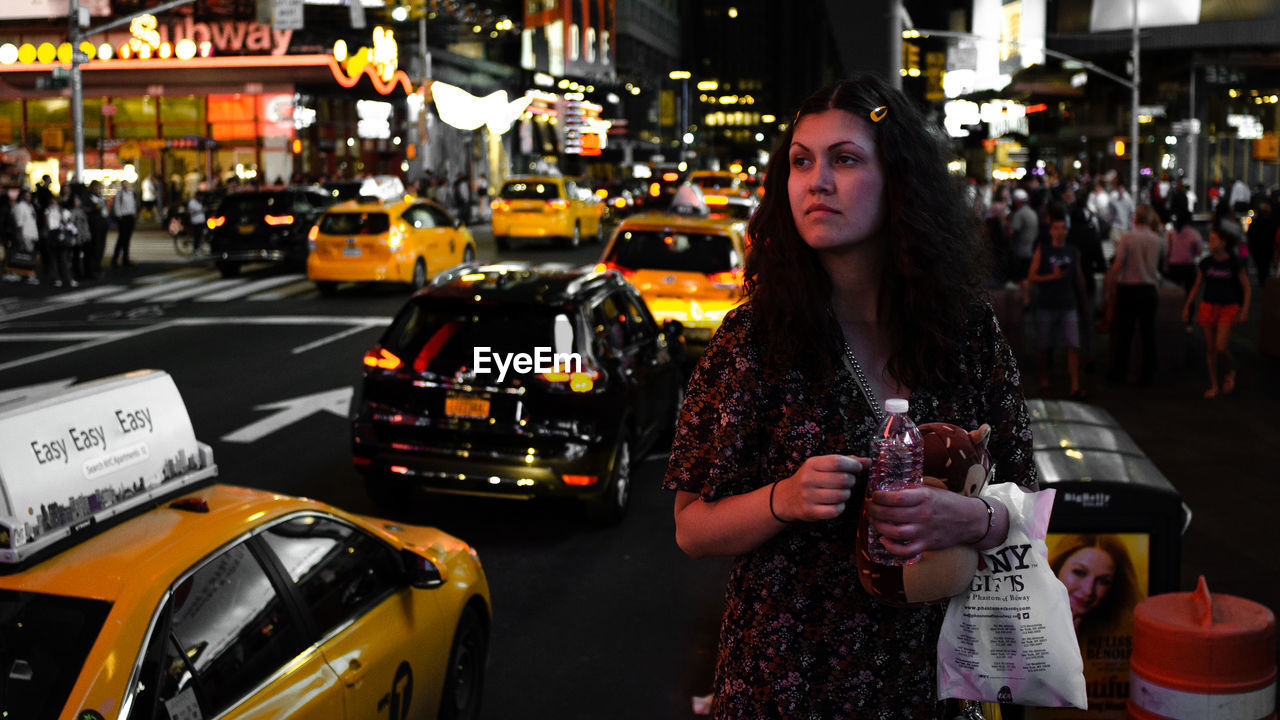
(1009, 637)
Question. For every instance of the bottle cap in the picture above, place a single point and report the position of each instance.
(896, 405)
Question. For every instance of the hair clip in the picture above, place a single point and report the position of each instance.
(878, 114)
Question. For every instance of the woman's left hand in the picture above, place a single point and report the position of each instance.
(922, 518)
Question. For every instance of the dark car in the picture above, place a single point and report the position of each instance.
(264, 226)
(518, 381)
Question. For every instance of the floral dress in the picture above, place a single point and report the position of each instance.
(800, 638)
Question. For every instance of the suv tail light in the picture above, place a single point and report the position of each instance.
(380, 357)
(500, 205)
(558, 204)
(215, 222)
(312, 234)
(279, 219)
(583, 381)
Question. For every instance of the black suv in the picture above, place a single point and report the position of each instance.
(518, 381)
(264, 226)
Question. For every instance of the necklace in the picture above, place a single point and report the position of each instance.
(862, 382)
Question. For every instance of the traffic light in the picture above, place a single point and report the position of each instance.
(58, 79)
(910, 59)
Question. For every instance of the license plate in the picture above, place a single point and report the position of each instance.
(350, 252)
(246, 229)
(464, 406)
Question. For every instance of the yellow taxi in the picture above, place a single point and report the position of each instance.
(724, 193)
(131, 588)
(688, 268)
(546, 206)
(406, 241)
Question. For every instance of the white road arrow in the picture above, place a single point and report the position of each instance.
(337, 401)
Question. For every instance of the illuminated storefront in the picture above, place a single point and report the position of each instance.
(214, 99)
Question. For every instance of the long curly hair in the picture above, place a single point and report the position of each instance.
(1124, 594)
(934, 259)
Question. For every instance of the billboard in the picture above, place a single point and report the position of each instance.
(38, 9)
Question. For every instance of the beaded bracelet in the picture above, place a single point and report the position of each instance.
(991, 519)
(773, 487)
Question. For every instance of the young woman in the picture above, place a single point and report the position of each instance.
(1225, 303)
(863, 284)
(1102, 585)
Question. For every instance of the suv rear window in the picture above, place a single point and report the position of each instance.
(441, 338)
(44, 640)
(522, 190)
(688, 252)
(716, 182)
(355, 223)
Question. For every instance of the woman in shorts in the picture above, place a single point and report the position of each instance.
(1225, 303)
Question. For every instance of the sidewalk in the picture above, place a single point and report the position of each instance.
(1222, 455)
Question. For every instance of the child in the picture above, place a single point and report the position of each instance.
(1226, 302)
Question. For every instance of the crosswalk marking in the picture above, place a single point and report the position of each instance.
(249, 288)
(152, 291)
(302, 287)
(78, 296)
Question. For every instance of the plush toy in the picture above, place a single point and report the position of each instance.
(957, 461)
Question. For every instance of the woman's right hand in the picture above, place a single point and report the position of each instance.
(819, 490)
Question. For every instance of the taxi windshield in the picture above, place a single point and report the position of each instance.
(661, 250)
(44, 640)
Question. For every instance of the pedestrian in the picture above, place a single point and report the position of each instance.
(1262, 241)
(1183, 244)
(1225, 303)
(26, 250)
(150, 191)
(124, 208)
(59, 235)
(462, 198)
(863, 284)
(96, 211)
(1133, 278)
(79, 238)
(1024, 228)
(195, 221)
(1055, 271)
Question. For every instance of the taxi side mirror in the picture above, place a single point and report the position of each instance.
(422, 573)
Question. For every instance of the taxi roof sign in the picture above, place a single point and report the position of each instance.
(75, 460)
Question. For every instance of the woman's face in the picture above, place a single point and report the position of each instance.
(1088, 575)
(836, 182)
(1215, 240)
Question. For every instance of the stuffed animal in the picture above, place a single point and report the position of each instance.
(957, 461)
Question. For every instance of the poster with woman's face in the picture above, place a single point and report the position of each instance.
(1106, 576)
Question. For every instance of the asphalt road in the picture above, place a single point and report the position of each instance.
(588, 623)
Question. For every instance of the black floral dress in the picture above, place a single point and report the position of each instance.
(800, 638)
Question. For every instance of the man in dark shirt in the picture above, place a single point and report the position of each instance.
(1055, 270)
(1262, 241)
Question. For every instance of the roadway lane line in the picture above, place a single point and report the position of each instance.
(54, 336)
(79, 296)
(292, 290)
(249, 288)
(151, 291)
(326, 340)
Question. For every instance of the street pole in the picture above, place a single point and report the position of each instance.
(77, 89)
(1133, 114)
(75, 36)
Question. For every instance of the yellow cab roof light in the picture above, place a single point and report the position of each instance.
(131, 446)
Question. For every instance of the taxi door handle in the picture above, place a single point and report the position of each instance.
(353, 674)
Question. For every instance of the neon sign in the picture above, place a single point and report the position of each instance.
(380, 63)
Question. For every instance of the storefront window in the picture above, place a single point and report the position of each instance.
(10, 121)
(182, 116)
(233, 117)
(135, 117)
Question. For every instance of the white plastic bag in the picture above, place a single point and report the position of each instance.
(1010, 638)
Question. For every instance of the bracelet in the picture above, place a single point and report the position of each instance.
(991, 519)
(773, 487)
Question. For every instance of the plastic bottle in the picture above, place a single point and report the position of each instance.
(897, 463)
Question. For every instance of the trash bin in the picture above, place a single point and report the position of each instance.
(1115, 537)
